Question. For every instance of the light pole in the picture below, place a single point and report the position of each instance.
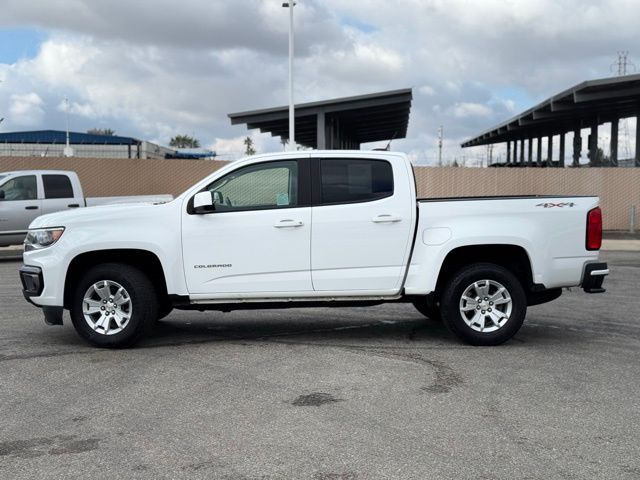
(67, 151)
(292, 117)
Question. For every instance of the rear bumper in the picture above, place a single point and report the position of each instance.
(593, 277)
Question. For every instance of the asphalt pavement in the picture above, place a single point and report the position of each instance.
(327, 394)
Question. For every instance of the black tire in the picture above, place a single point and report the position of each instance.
(142, 296)
(452, 295)
(164, 309)
(428, 308)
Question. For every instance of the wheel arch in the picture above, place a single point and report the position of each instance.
(146, 261)
(512, 257)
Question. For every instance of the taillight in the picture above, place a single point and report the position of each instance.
(594, 229)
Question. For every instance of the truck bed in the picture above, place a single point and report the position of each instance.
(497, 197)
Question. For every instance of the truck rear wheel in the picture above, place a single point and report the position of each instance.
(113, 305)
(483, 304)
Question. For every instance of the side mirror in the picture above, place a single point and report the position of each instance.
(203, 202)
(1, 194)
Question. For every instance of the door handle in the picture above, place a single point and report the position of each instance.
(288, 223)
(73, 205)
(31, 207)
(386, 218)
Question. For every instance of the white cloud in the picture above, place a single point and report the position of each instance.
(427, 90)
(26, 109)
(467, 109)
(180, 67)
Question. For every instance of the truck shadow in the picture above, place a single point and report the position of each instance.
(251, 327)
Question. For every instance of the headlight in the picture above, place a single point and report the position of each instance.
(42, 238)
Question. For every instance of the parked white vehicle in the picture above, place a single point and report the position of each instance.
(307, 229)
(27, 194)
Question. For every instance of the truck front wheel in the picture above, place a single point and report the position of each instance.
(483, 304)
(428, 307)
(113, 305)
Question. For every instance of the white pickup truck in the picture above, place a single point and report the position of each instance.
(27, 194)
(305, 229)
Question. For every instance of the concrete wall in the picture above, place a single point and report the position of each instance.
(618, 188)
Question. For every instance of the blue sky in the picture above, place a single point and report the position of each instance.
(19, 43)
(358, 24)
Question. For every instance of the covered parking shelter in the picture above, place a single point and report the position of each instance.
(341, 123)
(587, 105)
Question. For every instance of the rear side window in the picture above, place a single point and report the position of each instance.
(57, 186)
(354, 180)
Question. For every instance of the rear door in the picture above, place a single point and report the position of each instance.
(363, 217)
(58, 193)
(19, 206)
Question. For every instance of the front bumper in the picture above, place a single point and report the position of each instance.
(32, 286)
(593, 277)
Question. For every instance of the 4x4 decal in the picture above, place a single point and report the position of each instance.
(558, 205)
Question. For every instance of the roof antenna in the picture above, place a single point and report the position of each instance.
(388, 147)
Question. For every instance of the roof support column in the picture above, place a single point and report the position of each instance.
(539, 152)
(577, 147)
(614, 141)
(530, 151)
(550, 150)
(593, 144)
(508, 152)
(562, 148)
(331, 142)
(522, 151)
(321, 131)
(638, 141)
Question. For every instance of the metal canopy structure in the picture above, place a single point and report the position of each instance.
(586, 105)
(342, 123)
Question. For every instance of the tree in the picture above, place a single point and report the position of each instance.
(184, 141)
(101, 131)
(248, 143)
(600, 160)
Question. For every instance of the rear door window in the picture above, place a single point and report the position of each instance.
(57, 186)
(354, 180)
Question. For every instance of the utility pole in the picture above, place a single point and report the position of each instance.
(620, 68)
(620, 65)
(489, 154)
(292, 118)
(440, 133)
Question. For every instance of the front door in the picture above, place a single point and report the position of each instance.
(257, 240)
